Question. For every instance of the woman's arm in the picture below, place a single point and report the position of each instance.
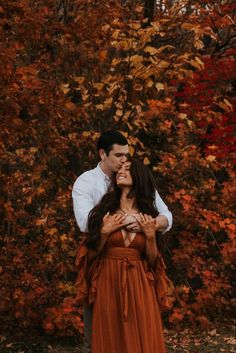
(110, 224)
(148, 225)
(92, 254)
(152, 252)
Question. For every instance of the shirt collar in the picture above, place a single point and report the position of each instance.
(102, 174)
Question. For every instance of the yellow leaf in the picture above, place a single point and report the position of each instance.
(119, 112)
(106, 27)
(138, 9)
(33, 149)
(40, 222)
(211, 158)
(195, 64)
(127, 44)
(135, 26)
(70, 106)
(102, 54)
(188, 26)
(164, 64)
(146, 161)
(108, 101)
(63, 237)
(161, 49)
(225, 106)
(52, 231)
(190, 123)
(116, 33)
(115, 62)
(136, 59)
(200, 62)
(198, 44)
(86, 133)
(98, 86)
(212, 147)
(119, 105)
(160, 86)
(150, 50)
(156, 25)
(228, 104)
(131, 150)
(79, 79)
(48, 258)
(99, 106)
(73, 136)
(149, 83)
(40, 190)
(65, 88)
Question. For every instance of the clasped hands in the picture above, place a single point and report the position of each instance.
(133, 223)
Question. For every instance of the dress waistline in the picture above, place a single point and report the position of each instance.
(122, 252)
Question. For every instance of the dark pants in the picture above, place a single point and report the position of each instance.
(88, 314)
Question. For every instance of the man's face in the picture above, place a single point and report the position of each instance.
(117, 156)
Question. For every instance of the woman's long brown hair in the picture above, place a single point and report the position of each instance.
(142, 190)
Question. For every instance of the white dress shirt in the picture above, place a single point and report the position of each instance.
(88, 190)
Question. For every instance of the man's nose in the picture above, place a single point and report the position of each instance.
(123, 159)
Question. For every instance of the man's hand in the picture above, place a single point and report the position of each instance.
(112, 223)
(132, 224)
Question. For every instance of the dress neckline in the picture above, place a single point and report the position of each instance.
(126, 239)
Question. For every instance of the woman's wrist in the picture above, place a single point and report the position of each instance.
(151, 238)
(104, 234)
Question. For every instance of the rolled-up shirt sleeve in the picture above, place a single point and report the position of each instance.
(82, 201)
(163, 211)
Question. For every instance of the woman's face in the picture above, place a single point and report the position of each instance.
(123, 177)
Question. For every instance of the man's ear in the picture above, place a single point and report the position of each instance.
(102, 154)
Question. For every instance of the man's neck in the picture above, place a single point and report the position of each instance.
(105, 169)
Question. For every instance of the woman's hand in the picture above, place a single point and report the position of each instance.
(148, 225)
(112, 223)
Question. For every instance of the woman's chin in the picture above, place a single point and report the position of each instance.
(123, 186)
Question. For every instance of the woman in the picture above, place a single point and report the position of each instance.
(123, 273)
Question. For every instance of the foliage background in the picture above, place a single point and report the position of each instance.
(71, 69)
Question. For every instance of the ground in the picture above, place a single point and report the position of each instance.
(208, 340)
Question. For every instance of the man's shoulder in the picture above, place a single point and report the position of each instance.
(86, 177)
(88, 173)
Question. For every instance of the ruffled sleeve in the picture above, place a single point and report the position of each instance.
(86, 282)
(161, 283)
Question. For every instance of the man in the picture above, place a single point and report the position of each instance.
(90, 187)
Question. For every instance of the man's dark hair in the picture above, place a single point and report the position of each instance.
(109, 138)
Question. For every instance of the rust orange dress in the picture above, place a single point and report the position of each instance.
(127, 295)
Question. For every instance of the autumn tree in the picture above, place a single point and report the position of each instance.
(166, 79)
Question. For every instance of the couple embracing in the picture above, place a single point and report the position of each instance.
(121, 274)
